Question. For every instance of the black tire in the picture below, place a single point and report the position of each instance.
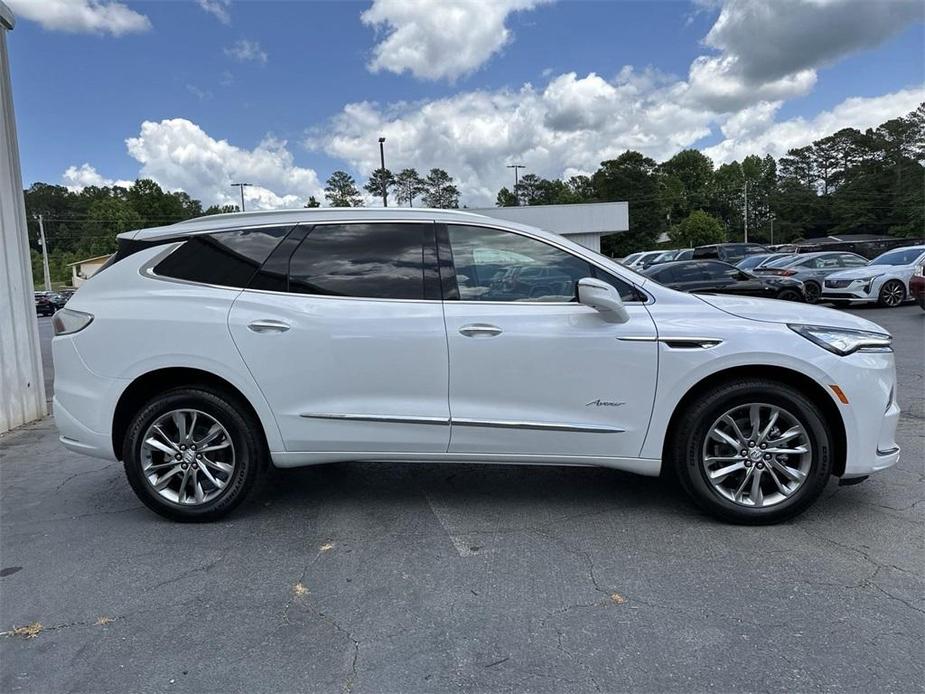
(813, 292)
(250, 451)
(892, 294)
(691, 431)
(789, 295)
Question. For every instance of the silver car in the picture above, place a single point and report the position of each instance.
(811, 268)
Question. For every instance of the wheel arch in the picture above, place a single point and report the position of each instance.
(790, 377)
(149, 384)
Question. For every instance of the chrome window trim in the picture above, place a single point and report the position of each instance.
(385, 418)
(147, 268)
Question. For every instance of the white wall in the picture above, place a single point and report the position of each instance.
(22, 387)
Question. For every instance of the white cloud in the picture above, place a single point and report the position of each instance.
(76, 178)
(573, 123)
(180, 155)
(244, 51)
(772, 50)
(754, 131)
(218, 9)
(82, 16)
(439, 39)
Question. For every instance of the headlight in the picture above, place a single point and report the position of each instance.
(843, 341)
(67, 321)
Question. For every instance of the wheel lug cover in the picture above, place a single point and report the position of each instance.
(179, 457)
(760, 466)
(744, 452)
(748, 463)
(182, 466)
(751, 444)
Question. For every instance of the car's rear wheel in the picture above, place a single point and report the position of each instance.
(892, 294)
(193, 454)
(813, 291)
(753, 451)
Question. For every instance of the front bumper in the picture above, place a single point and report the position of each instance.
(868, 379)
(862, 290)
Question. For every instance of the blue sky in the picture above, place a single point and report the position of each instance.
(285, 92)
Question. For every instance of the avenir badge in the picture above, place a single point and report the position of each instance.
(604, 403)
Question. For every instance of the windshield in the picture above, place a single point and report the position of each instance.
(904, 256)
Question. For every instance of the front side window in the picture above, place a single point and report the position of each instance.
(224, 258)
(497, 265)
(376, 261)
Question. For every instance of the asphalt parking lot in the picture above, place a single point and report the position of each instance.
(394, 578)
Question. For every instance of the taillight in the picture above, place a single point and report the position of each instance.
(68, 321)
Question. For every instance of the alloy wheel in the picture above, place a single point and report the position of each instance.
(757, 455)
(813, 291)
(187, 457)
(892, 294)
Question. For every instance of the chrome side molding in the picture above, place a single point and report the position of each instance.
(491, 423)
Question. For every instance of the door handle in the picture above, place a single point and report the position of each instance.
(268, 326)
(480, 329)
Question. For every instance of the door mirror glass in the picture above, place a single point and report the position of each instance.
(602, 297)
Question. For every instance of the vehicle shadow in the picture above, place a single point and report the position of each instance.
(465, 485)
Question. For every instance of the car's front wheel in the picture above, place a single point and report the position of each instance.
(790, 295)
(193, 454)
(753, 451)
(892, 294)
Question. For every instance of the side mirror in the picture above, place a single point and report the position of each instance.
(602, 297)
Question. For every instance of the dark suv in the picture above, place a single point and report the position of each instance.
(728, 252)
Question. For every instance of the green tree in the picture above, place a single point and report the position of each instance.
(440, 192)
(697, 229)
(108, 217)
(341, 191)
(632, 177)
(221, 209)
(506, 198)
(312, 202)
(408, 186)
(380, 180)
(689, 175)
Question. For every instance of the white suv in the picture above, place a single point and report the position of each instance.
(206, 350)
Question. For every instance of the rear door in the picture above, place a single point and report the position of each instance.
(343, 331)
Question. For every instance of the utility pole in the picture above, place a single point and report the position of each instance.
(241, 186)
(516, 178)
(44, 254)
(772, 229)
(745, 215)
(385, 190)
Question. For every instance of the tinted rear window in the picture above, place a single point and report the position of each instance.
(379, 261)
(225, 258)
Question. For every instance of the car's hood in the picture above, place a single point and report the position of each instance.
(861, 272)
(775, 311)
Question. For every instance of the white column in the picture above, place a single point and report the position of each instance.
(22, 386)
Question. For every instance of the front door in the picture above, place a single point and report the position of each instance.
(344, 334)
(532, 372)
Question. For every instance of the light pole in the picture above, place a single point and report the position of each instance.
(241, 186)
(385, 191)
(516, 178)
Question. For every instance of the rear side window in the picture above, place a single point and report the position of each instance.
(224, 258)
(376, 261)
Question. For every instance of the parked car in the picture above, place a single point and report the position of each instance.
(811, 269)
(727, 252)
(214, 347)
(639, 260)
(665, 257)
(717, 277)
(884, 280)
(917, 285)
(44, 305)
(750, 262)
